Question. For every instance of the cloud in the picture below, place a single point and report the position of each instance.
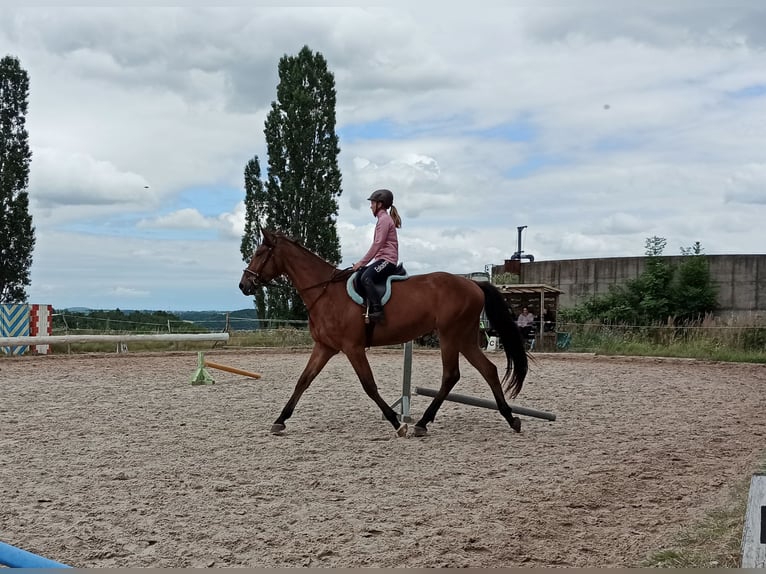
(748, 185)
(76, 179)
(182, 219)
(127, 292)
(619, 223)
(229, 225)
(480, 119)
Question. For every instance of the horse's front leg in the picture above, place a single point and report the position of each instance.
(318, 359)
(359, 361)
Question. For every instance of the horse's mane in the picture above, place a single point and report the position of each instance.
(338, 274)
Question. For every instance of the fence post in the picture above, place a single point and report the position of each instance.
(404, 401)
(754, 533)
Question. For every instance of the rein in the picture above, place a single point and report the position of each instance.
(337, 275)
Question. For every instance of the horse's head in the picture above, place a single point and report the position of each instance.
(263, 266)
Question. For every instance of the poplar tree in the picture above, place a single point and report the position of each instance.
(17, 238)
(304, 181)
(255, 215)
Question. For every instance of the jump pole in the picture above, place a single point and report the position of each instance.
(484, 403)
(202, 377)
(17, 558)
(121, 340)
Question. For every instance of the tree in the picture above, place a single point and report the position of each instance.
(695, 249)
(17, 237)
(654, 246)
(304, 180)
(694, 291)
(653, 286)
(505, 278)
(255, 215)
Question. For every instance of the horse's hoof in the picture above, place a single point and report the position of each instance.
(419, 431)
(277, 428)
(402, 430)
(516, 424)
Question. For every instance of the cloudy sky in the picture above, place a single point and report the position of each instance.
(595, 124)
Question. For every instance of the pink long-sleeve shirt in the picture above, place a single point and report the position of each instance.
(385, 245)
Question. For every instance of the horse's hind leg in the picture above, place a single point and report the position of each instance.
(488, 370)
(362, 368)
(318, 359)
(450, 377)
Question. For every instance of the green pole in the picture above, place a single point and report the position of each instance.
(201, 376)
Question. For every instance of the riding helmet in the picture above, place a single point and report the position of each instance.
(384, 196)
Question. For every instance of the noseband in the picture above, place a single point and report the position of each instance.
(337, 275)
(256, 275)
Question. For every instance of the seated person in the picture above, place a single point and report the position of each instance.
(549, 320)
(526, 322)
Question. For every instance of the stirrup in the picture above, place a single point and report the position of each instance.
(373, 316)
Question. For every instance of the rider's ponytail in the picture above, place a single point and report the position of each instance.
(395, 216)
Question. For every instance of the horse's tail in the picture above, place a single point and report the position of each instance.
(510, 336)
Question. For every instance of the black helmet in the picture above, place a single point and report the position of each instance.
(384, 196)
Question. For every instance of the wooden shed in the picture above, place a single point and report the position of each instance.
(536, 297)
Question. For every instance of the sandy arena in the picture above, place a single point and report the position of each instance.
(117, 461)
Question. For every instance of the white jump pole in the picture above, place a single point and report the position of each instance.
(66, 339)
(121, 340)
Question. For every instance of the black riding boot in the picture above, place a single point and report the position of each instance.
(376, 313)
(373, 300)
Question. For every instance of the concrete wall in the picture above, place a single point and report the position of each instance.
(740, 279)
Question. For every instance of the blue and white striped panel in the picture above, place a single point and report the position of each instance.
(14, 322)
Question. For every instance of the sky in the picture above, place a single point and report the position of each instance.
(595, 124)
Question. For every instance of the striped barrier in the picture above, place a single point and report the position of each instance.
(41, 323)
(14, 322)
(17, 558)
(22, 320)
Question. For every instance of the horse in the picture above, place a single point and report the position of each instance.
(439, 301)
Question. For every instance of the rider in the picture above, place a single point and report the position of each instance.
(384, 252)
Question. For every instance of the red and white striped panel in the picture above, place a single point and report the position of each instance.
(41, 323)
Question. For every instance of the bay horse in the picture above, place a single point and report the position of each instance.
(419, 305)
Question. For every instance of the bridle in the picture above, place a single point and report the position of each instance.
(336, 275)
(256, 274)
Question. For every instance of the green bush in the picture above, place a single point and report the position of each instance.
(754, 339)
(661, 293)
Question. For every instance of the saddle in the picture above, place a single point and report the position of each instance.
(357, 293)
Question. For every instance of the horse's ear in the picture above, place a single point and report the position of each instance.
(268, 237)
